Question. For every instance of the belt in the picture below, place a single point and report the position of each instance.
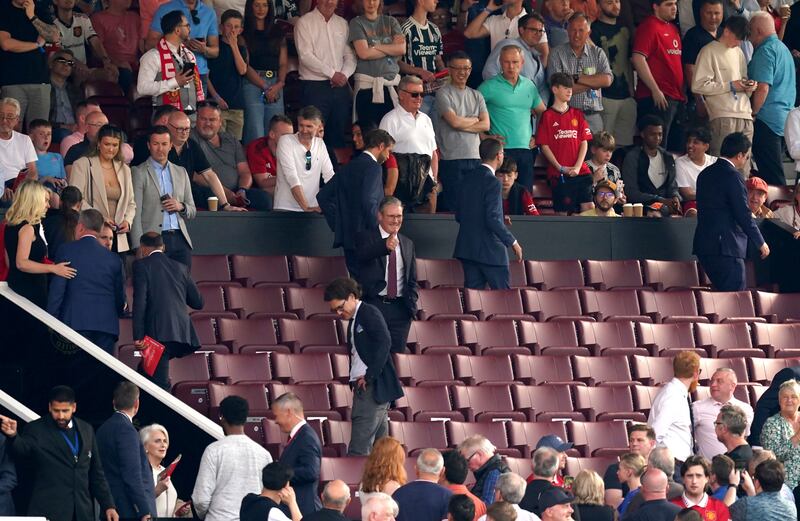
(165, 232)
(267, 74)
(387, 300)
(591, 112)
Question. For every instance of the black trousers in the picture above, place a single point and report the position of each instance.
(369, 112)
(478, 275)
(398, 319)
(726, 273)
(176, 247)
(768, 153)
(161, 374)
(335, 104)
(103, 340)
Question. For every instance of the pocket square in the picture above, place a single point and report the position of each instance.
(359, 329)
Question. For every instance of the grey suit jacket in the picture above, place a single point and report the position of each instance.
(147, 193)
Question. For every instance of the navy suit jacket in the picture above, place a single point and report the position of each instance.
(304, 455)
(724, 221)
(127, 470)
(373, 342)
(482, 235)
(95, 298)
(372, 258)
(8, 480)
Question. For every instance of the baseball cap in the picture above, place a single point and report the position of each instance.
(605, 183)
(552, 497)
(756, 183)
(554, 442)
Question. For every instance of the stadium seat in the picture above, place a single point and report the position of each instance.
(606, 403)
(424, 404)
(274, 439)
(778, 195)
(308, 303)
(493, 337)
(755, 392)
(778, 340)
(524, 436)
(730, 306)
(520, 466)
(349, 469)
(652, 370)
(608, 274)
(602, 370)
(302, 368)
(726, 340)
(213, 304)
(551, 338)
(249, 336)
(671, 275)
(613, 305)
(495, 432)
(670, 306)
(435, 273)
(441, 303)
(210, 268)
(643, 396)
(435, 337)
(598, 464)
(606, 438)
(778, 307)
(740, 393)
(129, 355)
(709, 365)
(204, 327)
(256, 396)
(557, 274)
(261, 270)
(417, 436)
(545, 403)
(263, 302)
(315, 398)
(488, 304)
(667, 339)
(317, 271)
(537, 370)
(479, 370)
(337, 436)
(126, 332)
(553, 305)
(235, 369)
(424, 370)
(485, 403)
(609, 338)
(103, 89)
(341, 367)
(516, 274)
(189, 377)
(310, 336)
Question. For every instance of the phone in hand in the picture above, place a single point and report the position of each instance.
(187, 67)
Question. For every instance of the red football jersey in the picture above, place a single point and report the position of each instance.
(660, 43)
(714, 509)
(563, 133)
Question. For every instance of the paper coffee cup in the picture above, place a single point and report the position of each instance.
(638, 210)
(213, 203)
(627, 210)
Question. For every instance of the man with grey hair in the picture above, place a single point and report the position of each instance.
(379, 507)
(485, 464)
(510, 488)
(660, 458)
(424, 499)
(335, 498)
(18, 151)
(730, 426)
(654, 504)
(704, 412)
(545, 466)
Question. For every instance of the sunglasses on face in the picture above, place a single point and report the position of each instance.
(413, 94)
(65, 61)
(308, 160)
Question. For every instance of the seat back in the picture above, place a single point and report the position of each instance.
(678, 335)
(535, 370)
(608, 274)
(665, 275)
(429, 369)
(477, 370)
(256, 300)
(546, 275)
(485, 302)
(724, 336)
(783, 305)
(652, 370)
(210, 268)
(247, 332)
(301, 333)
(597, 370)
(308, 302)
(241, 368)
(610, 304)
(416, 436)
(726, 304)
(439, 301)
(668, 303)
(607, 334)
(434, 273)
(546, 305)
(482, 335)
(548, 334)
(424, 334)
(303, 368)
(317, 271)
(261, 269)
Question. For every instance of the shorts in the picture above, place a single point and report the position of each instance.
(571, 193)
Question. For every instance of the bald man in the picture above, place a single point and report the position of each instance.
(335, 498)
(424, 499)
(94, 121)
(654, 492)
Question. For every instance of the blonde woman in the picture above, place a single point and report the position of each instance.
(781, 432)
(589, 494)
(631, 468)
(155, 440)
(26, 248)
(106, 184)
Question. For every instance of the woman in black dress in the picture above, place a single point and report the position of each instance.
(589, 492)
(59, 225)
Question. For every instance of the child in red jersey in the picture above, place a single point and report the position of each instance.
(695, 472)
(563, 136)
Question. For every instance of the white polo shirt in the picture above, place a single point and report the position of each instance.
(413, 135)
(292, 171)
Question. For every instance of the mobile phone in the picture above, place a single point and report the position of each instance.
(164, 197)
(188, 67)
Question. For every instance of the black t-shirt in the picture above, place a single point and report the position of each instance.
(741, 456)
(611, 481)
(20, 68)
(192, 158)
(695, 39)
(616, 41)
(226, 79)
(76, 151)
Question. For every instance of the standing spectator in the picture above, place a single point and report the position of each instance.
(629, 473)
(654, 494)
(695, 473)
(378, 42)
(262, 152)
(59, 225)
(18, 153)
(781, 431)
(641, 440)
(269, 64)
(62, 450)
(724, 223)
(619, 108)
(231, 468)
(591, 64)
(93, 301)
(510, 489)
(511, 100)
(555, 21)
(496, 28)
(589, 491)
(719, 65)
(424, 49)
(120, 32)
(82, 111)
(649, 170)
(64, 93)
(545, 469)
(424, 499)
(304, 452)
(792, 137)
(94, 122)
(49, 165)
(155, 439)
(8, 480)
(461, 116)
(704, 412)
(556, 505)
(128, 472)
(226, 74)
(326, 64)
(604, 198)
(335, 498)
(77, 33)
(275, 479)
(730, 425)
(657, 60)
(517, 200)
(757, 197)
(688, 167)
(772, 69)
(302, 161)
(453, 478)
(23, 64)
(563, 136)
(693, 41)
(383, 470)
(764, 501)
(486, 465)
(147, 10)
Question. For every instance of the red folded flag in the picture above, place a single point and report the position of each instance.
(151, 354)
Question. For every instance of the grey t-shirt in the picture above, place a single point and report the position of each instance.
(382, 30)
(224, 159)
(457, 144)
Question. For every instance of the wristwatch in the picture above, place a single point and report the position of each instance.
(575, 77)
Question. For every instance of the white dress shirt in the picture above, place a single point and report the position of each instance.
(400, 266)
(322, 47)
(292, 171)
(150, 69)
(522, 515)
(413, 135)
(705, 414)
(357, 366)
(501, 27)
(670, 418)
(791, 132)
(296, 428)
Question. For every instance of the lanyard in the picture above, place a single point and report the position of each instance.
(73, 447)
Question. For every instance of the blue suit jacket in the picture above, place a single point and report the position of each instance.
(95, 298)
(8, 480)
(127, 470)
(724, 221)
(304, 455)
(482, 235)
(373, 342)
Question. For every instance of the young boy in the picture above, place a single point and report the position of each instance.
(688, 167)
(226, 73)
(601, 147)
(50, 165)
(563, 137)
(517, 200)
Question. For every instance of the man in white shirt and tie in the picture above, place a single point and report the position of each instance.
(722, 384)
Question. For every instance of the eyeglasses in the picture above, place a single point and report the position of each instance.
(606, 195)
(413, 94)
(9, 117)
(533, 30)
(180, 129)
(461, 69)
(95, 124)
(308, 160)
(65, 61)
(195, 18)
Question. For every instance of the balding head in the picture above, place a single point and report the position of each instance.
(761, 27)
(336, 495)
(654, 484)
(94, 121)
(179, 127)
(429, 465)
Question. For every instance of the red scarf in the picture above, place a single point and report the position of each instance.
(173, 97)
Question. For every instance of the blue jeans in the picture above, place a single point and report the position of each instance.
(257, 112)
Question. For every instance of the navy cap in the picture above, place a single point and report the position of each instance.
(554, 442)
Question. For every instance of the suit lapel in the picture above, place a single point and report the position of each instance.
(404, 255)
(153, 176)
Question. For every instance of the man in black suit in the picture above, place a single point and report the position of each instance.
(62, 451)
(125, 463)
(388, 271)
(162, 288)
(335, 498)
(372, 374)
(303, 452)
(483, 239)
(92, 302)
(724, 221)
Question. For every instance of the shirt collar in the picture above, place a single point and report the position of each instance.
(370, 155)
(689, 503)
(677, 383)
(384, 233)
(489, 167)
(728, 160)
(125, 414)
(157, 165)
(296, 428)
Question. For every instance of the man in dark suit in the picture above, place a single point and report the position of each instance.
(303, 452)
(724, 221)
(162, 288)
(335, 498)
(62, 451)
(372, 374)
(125, 463)
(8, 480)
(92, 302)
(354, 197)
(388, 271)
(483, 239)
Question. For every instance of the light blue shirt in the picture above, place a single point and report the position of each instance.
(170, 221)
(207, 26)
(51, 164)
(773, 64)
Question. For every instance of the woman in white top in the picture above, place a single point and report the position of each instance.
(155, 439)
(790, 214)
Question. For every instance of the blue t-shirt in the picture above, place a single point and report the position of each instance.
(206, 27)
(773, 64)
(51, 164)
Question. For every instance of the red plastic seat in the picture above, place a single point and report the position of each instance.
(553, 305)
(488, 304)
(652, 370)
(643, 397)
(437, 336)
(778, 340)
(264, 302)
(423, 404)
(485, 403)
(670, 306)
(598, 464)
(341, 367)
(336, 434)
(778, 307)
(516, 274)
(434, 273)
(252, 336)
(494, 337)
(204, 327)
(479, 370)
(726, 340)
(613, 305)
(779, 194)
(317, 271)
(495, 432)
(213, 304)
(667, 339)
(709, 365)
(424, 370)
(524, 436)
(542, 194)
(617, 274)
(609, 338)
(310, 336)
(599, 370)
(234, 369)
(189, 377)
(105, 89)
(125, 332)
(210, 268)
(441, 303)
(545, 403)
(551, 338)
(730, 306)
(274, 439)
(308, 303)
(303, 368)
(128, 355)
(608, 438)
(671, 275)
(417, 436)
(537, 370)
(558, 274)
(348, 469)
(256, 396)
(315, 398)
(606, 403)
(261, 270)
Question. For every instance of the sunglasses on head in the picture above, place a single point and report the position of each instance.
(195, 17)
(308, 160)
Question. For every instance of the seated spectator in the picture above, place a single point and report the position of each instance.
(545, 468)
(77, 33)
(780, 432)
(82, 109)
(563, 136)
(660, 458)
(18, 153)
(649, 170)
(556, 505)
(510, 489)
(383, 470)
(262, 152)
(605, 197)
(64, 94)
(656, 210)
(485, 464)
(226, 74)
(517, 200)
(654, 504)
(155, 439)
(760, 456)
(379, 507)
(501, 511)
(757, 197)
(59, 224)
(504, 25)
(302, 161)
(453, 478)
(560, 446)
(723, 469)
(641, 440)
(631, 468)
(118, 27)
(226, 156)
(460, 508)
(601, 147)
(275, 492)
(688, 167)
(589, 492)
(790, 213)
(695, 472)
(764, 501)
(424, 499)
(50, 165)
(8, 480)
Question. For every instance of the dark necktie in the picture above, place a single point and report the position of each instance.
(391, 275)
(691, 424)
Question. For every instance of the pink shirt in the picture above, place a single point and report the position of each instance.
(147, 10)
(120, 35)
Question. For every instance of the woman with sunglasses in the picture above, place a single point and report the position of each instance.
(106, 184)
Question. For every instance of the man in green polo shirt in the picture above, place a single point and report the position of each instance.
(511, 99)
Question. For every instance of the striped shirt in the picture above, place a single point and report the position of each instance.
(423, 44)
(593, 60)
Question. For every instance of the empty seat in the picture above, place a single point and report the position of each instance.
(310, 336)
(545, 403)
(437, 336)
(652, 370)
(537, 370)
(495, 432)
(349, 469)
(553, 305)
(264, 302)
(667, 339)
(337, 436)
(258, 270)
(253, 336)
(558, 274)
(488, 304)
(516, 274)
(491, 337)
(189, 376)
(441, 303)
(417, 436)
(213, 303)
(607, 438)
(129, 355)
(670, 306)
(670, 275)
(485, 403)
(426, 403)
(341, 367)
(606, 403)
(609, 338)
(304, 368)
(778, 340)
(597, 370)
(730, 339)
(210, 268)
(125, 332)
(521, 466)
(204, 327)
(341, 397)
(728, 306)
(428, 370)
(434, 273)
(524, 436)
(779, 194)
(616, 274)
(315, 398)
(274, 439)
(317, 271)
(308, 303)
(234, 369)
(643, 396)
(598, 464)
(778, 307)
(551, 338)
(613, 305)
(478, 370)
(709, 365)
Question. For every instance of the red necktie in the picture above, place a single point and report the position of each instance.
(391, 275)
